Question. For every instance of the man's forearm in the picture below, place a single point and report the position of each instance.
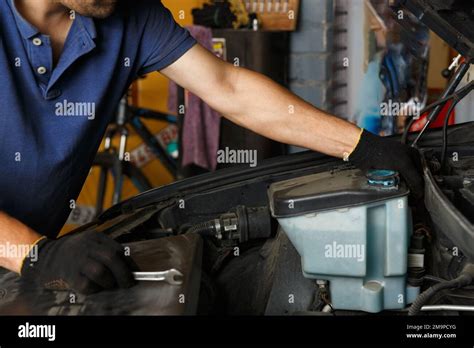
(15, 239)
(256, 102)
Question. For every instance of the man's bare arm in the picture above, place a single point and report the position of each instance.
(255, 102)
(16, 234)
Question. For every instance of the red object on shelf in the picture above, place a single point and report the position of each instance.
(438, 123)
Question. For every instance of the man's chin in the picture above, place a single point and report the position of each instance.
(101, 13)
(96, 9)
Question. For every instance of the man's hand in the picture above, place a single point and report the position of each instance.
(374, 152)
(85, 262)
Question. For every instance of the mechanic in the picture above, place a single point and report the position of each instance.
(87, 52)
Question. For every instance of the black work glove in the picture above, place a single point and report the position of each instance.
(85, 262)
(374, 152)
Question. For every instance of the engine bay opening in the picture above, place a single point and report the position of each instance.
(353, 242)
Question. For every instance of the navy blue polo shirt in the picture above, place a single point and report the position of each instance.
(52, 118)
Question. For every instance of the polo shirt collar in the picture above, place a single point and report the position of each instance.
(27, 30)
(88, 24)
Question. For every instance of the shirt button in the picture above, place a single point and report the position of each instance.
(41, 70)
(37, 41)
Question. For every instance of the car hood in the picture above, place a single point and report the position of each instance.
(452, 20)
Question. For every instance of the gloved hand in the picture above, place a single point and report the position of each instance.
(86, 262)
(374, 152)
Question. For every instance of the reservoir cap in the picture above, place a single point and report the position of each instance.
(382, 178)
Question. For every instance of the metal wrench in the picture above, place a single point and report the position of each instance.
(171, 276)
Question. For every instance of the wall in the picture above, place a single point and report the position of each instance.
(439, 60)
(310, 60)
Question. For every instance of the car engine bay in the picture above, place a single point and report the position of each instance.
(309, 243)
(292, 238)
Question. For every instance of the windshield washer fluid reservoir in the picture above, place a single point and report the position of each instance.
(352, 229)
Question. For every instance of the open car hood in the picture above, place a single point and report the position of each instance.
(452, 20)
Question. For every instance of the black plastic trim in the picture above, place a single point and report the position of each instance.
(455, 226)
(427, 13)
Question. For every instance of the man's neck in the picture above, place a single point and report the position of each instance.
(51, 18)
(43, 14)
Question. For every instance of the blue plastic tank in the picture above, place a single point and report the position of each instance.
(353, 230)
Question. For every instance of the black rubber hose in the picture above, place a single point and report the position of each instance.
(444, 151)
(207, 228)
(407, 130)
(463, 280)
(425, 110)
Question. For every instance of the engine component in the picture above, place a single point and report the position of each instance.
(241, 224)
(456, 308)
(352, 230)
(416, 260)
(465, 278)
